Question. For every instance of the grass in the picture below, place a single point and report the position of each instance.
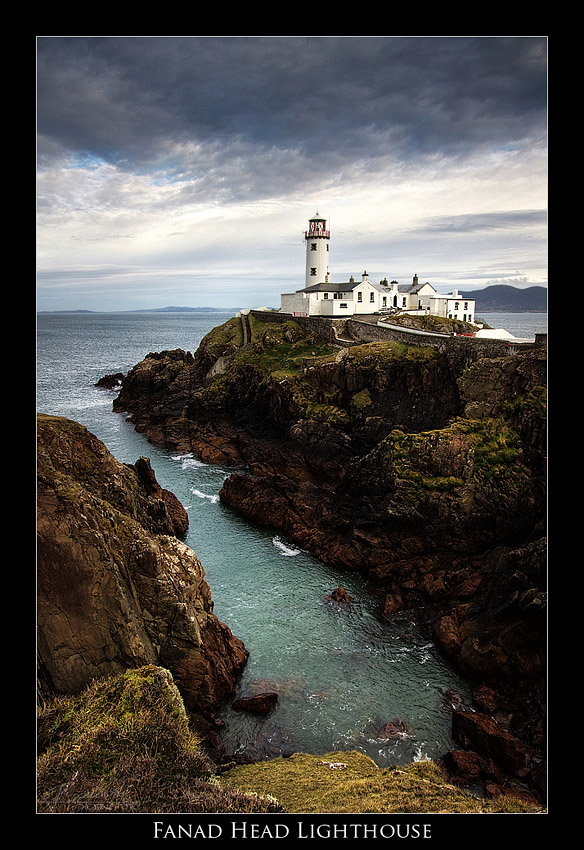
(124, 745)
(350, 782)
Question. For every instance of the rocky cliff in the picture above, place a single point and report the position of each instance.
(390, 459)
(117, 588)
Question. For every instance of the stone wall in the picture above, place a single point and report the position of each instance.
(341, 331)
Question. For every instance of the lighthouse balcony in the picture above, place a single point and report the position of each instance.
(317, 234)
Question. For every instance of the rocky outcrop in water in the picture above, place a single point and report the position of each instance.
(424, 472)
(117, 588)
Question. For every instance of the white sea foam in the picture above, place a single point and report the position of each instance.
(198, 493)
(188, 461)
(287, 551)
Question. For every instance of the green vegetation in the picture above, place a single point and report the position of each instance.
(281, 349)
(351, 782)
(413, 456)
(390, 351)
(496, 446)
(535, 400)
(434, 324)
(223, 339)
(361, 400)
(124, 745)
(491, 446)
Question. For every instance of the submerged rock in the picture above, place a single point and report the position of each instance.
(257, 704)
(339, 595)
(393, 730)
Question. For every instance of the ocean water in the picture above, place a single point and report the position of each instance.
(520, 325)
(341, 674)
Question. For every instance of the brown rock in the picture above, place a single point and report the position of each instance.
(393, 729)
(339, 595)
(482, 734)
(485, 699)
(447, 635)
(393, 603)
(116, 589)
(109, 382)
(454, 700)
(178, 515)
(258, 704)
(463, 766)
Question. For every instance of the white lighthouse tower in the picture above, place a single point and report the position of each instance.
(317, 251)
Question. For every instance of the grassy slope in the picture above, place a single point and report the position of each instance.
(350, 782)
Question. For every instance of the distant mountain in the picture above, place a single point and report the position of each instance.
(155, 310)
(180, 310)
(508, 299)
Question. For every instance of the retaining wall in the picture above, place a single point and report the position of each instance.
(458, 349)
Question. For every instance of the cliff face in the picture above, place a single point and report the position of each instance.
(117, 589)
(428, 477)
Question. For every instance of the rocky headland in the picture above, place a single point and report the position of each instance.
(117, 589)
(422, 469)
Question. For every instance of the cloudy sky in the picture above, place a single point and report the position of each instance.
(183, 170)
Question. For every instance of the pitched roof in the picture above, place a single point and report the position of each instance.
(331, 287)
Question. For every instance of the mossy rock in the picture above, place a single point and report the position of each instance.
(125, 745)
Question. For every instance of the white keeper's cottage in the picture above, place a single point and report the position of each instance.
(321, 297)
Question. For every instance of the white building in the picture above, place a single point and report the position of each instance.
(321, 297)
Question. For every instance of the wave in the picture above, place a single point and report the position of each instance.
(189, 461)
(213, 499)
(287, 551)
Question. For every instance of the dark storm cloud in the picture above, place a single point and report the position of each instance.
(133, 100)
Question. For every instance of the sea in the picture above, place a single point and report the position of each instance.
(341, 672)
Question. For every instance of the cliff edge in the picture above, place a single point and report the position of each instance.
(425, 472)
(117, 589)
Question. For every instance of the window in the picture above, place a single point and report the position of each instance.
(313, 246)
(313, 272)
(325, 295)
(359, 297)
(342, 305)
(372, 297)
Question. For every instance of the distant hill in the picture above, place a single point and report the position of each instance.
(155, 310)
(179, 310)
(508, 299)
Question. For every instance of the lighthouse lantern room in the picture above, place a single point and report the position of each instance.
(317, 251)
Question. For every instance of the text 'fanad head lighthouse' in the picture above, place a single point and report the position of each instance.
(317, 250)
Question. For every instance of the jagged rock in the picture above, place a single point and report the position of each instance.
(463, 766)
(393, 730)
(116, 587)
(424, 470)
(482, 734)
(485, 699)
(110, 382)
(177, 513)
(454, 700)
(339, 595)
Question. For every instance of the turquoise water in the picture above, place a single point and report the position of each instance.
(341, 673)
